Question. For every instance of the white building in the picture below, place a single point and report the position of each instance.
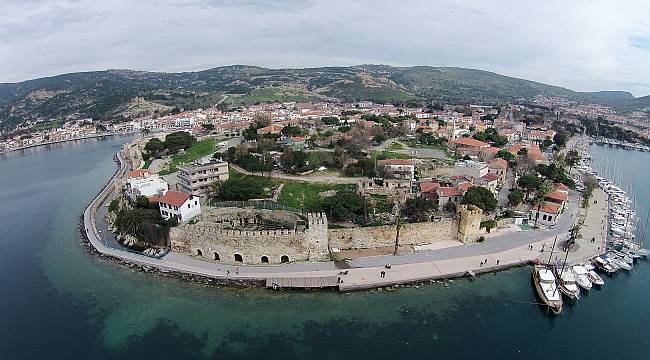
(143, 183)
(177, 204)
(472, 169)
(400, 169)
(549, 214)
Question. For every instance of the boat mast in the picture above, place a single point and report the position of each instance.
(551, 256)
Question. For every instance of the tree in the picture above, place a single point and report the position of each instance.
(418, 208)
(154, 146)
(560, 139)
(246, 188)
(488, 225)
(481, 198)
(540, 196)
(178, 140)
(329, 120)
(516, 197)
(340, 157)
(572, 158)
(208, 127)
(344, 205)
(142, 202)
(261, 119)
(530, 182)
(505, 155)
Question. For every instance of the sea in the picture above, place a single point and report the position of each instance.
(59, 302)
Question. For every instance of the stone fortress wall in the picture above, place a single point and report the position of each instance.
(259, 237)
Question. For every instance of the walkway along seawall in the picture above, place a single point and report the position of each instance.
(362, 273)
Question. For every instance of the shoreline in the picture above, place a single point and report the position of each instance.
(422, 267)
(99, 136)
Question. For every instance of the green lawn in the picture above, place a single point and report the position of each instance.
(390, 155)
(396, 146)
(200, 149)
(293, 192)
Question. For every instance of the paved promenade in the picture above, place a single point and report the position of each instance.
(499, 251)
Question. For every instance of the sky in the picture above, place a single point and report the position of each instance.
(584, 45)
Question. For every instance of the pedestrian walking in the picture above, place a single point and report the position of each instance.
(497, 262)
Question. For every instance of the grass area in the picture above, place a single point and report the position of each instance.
(198, 150)
(293, 193)
(271, 94)
(147, 164)
(396, 146)
(432, 146)
(390, 155)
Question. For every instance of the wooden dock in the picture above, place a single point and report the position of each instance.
(302, 282)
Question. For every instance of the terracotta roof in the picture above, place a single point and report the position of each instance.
(558, 196)
(471, 142)
(174, 198)
(490, 177)
(429, 186)
(395, 162)
(491, 150)
(464, 186)
(560, 186)
(448, 191)
(138, 173)
(549, 208)
(498, 163)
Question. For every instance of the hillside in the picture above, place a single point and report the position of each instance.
(107, 93)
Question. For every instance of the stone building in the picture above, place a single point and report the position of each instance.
(469, 223)
(253, 236)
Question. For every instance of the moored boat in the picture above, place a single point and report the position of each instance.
(547, 289)
(567, 283)
(581, 276)
(595, 278)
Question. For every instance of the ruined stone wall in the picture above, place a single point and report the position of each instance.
(208, 241)
(378, 236)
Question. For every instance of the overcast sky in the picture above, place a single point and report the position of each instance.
(579, 44)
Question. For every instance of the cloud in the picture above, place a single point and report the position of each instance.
(582, 44)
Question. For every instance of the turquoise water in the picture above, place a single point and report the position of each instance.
(58, 302)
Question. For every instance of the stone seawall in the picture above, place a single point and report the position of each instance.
(378, 236)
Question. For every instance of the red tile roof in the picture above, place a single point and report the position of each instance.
(464, 186)
(558, 196)
(471, 142)
(138, 173)
(174, 198)
(489, 177)
(448, 191)
(498, 163)
(429, 186)
(549, 208)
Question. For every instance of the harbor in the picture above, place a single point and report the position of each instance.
(616, 240)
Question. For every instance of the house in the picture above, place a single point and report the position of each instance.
(488, 153)
(398, 168)
(447, 195)
(197, 178)
(558, 197)
(271, 129)
(498, 167)
(297, 143)
(177, 204)
(470, 169)
(489, 181)
(142, 182)
(428, 189)
(548, 214)
(469, 146)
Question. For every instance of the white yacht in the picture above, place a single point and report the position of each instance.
(595, 278)
(581, 276)
(547, 289)
(567, 283)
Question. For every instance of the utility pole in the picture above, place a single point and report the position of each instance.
(399, 225)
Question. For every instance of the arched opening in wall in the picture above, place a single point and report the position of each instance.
(284, 259)
(238, 258)
(265, 259)
(199, 252)
(216, 256)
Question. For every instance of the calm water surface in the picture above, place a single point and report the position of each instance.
(57, 302)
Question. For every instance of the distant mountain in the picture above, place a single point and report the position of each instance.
(104, 93)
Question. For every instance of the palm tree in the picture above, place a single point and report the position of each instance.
(540, 197)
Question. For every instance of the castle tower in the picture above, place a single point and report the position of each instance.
(316, 237)
(469, 223)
